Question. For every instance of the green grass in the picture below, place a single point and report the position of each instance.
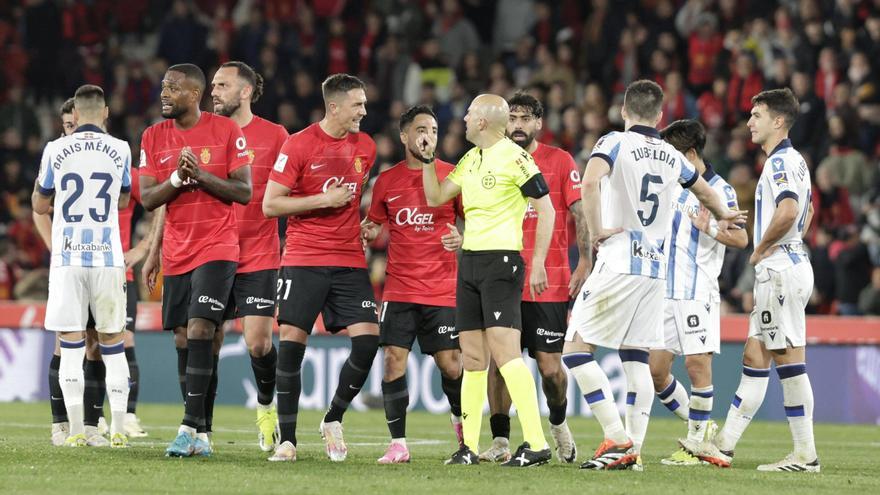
(29, 464)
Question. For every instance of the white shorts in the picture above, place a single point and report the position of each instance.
(614, 310)
(779, 319)
(692, 327)
(74, 289)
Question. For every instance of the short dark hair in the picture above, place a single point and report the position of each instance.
(251, 76)
(340, 83)
(88, 96)
(779, 102)
(67, 107)
(526, 102)
(191, 72)
(411, 113)
(685, 134)
(643, 99)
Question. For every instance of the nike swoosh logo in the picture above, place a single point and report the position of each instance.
(163, 160)
(393, 421)
(282, 393)
(453, 337)
(190, 394)
(557, 339)
(216, 308)
(353, 387)
(97, 407)
(56, 398)
(316, 166)
(263, 306)
(394, 197)
(265, 381)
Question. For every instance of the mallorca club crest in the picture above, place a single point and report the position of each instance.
(250, 154)
(358, 165)
(205, 156)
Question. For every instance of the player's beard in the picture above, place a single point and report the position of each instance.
(528, 138)
(415, 152)
(227, 109)
(176, 111)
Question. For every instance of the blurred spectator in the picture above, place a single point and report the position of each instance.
(745, 82)
(809, 129)
(18, 121)
(847, 166)
(704, 45)
(869, 298)
(456, 33)
(852, 270)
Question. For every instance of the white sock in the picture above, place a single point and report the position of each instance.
(597, 391)
(117, 384)
(186, 429)
(401, 441)
(675, 398)
(699, 412)
(797, 397)
(70, 377)
(746, 402)
(639, 394)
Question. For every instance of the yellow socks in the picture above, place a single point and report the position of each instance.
(473, 397)
(521, 386)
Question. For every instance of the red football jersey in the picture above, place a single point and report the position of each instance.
(311, 161)
(258, 235)
(419, 270)
(564, 181)
(125, 217)
(199, 227)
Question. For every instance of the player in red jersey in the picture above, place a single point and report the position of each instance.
(544, 316)
(93, 370)
(196, 164)
(317, 182)
(419, 295)
(234, 87)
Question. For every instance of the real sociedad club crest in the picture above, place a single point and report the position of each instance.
(205, 156)
(358, 165)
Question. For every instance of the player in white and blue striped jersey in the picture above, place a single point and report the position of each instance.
(89, 175)
(783, 285)
(692, 321)
(621, 304)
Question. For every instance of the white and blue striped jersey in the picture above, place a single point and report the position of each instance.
(785, 175)
(695, 258)
(86, 171)
(636, 195)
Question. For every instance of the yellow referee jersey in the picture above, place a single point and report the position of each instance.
(493, 203)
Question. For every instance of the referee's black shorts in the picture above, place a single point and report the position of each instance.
(489, 290)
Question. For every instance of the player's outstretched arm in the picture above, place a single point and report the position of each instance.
(436, 192)
(277, 203)
(704, 192)
(783, 218)
(596, 169)
(734, 236)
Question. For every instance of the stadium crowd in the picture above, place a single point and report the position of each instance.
(577, 57)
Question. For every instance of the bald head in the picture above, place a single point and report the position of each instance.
(487, 118)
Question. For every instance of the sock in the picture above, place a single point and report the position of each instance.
(199, 370)
(523, 393)
(211, 395)
(699, 412)
(353, 375)
(639, 394)
(93, 403)
(500, 425)
(675, 398)
(182, 356)
(396, 396)
(117, 384)
(56, 396)
(557, 413)
(597, 392)
(72, 382)
(797, 397)
(289, 385)
(134, 375)
(473, 395)
(264, 375)
(452, 389)
(746, 402)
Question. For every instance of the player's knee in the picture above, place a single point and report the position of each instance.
(550, 368)
(394, 364)
(699, 367)
(449, 367)
(200, 329)
(259, 345)
(363, 350)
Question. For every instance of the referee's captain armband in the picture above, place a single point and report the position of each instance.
(535, 187)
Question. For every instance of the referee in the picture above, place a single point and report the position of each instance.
(496, 179)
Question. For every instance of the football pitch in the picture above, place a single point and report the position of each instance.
(850, 458)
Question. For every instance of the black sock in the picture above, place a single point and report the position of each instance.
(264, 375)
(452, 389)
(500, 424)
(182, 356)
(353, 375)
(396, 395)
(289, 384)
(134, 377)
(557, 413)
(198, 377)
(102, 386)
(56, 397)
(92, 404)
(211, 396)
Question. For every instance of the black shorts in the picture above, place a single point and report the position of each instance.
(400, 323)
(131, 305)
(253, 294)
(489, 290)
(201, 293)
(343, 296)
(544, 326)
